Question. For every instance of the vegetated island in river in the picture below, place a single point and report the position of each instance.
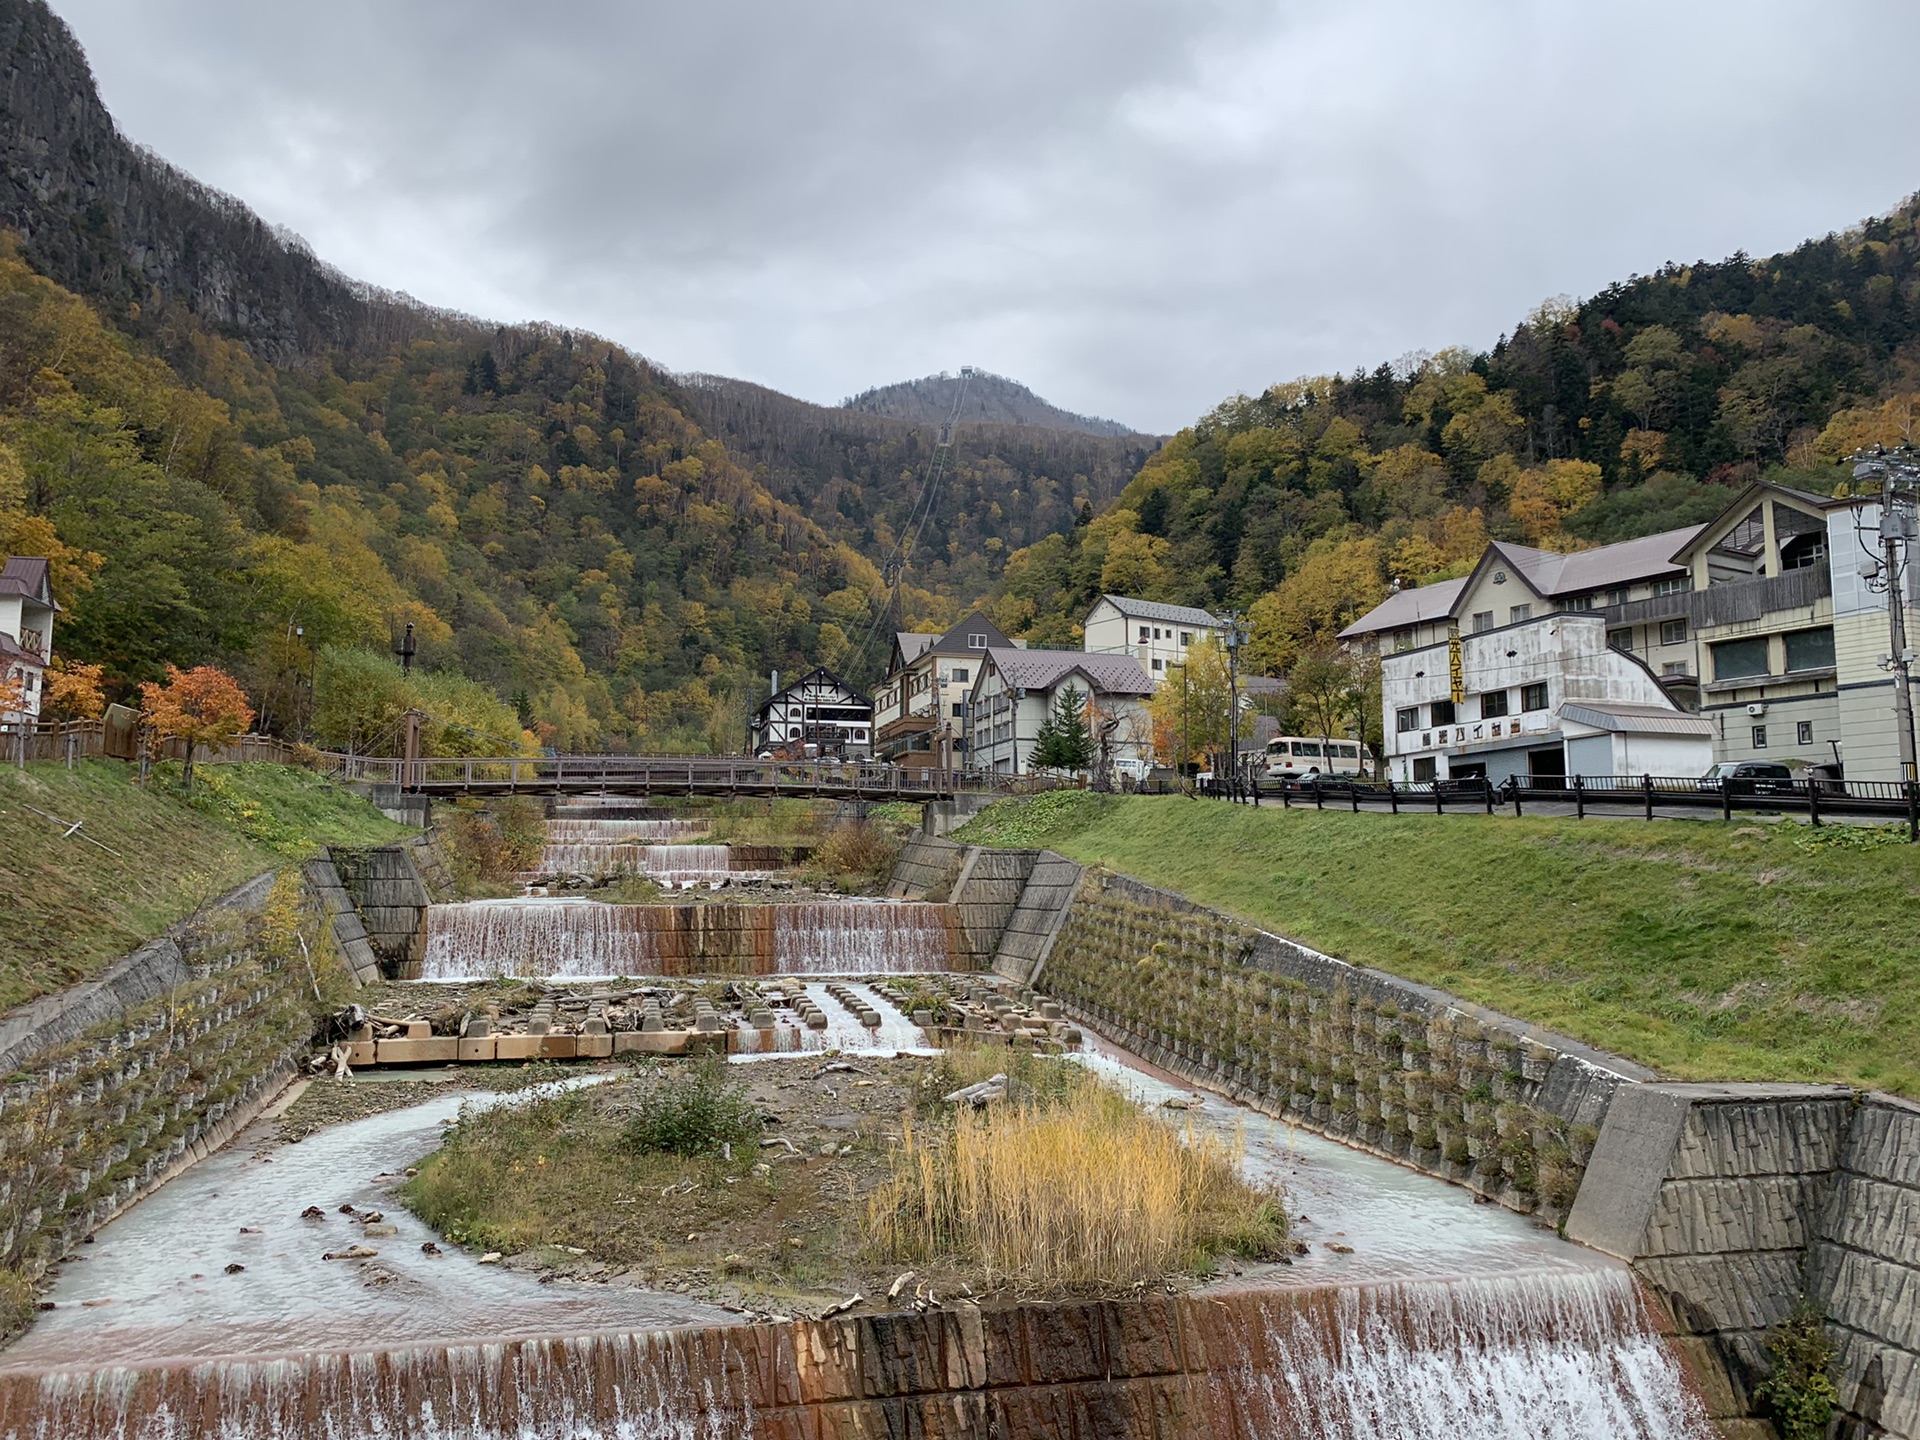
(789, 1187)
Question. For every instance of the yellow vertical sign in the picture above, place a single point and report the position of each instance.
(1454, 672)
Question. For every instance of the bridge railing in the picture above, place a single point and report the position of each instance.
(665, 773)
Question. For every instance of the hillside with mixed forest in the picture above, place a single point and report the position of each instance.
(1643, 408)
(981, 398)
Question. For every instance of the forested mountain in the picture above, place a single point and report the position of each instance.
(988, 399)
(1643, 408)
(861, 475)
(237, 455)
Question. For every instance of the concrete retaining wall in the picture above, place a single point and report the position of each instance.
(927, 868)
(343, 921)
(985, 893)
(1734, 1201)
(392, 900)
(1038, 919)
(202, 1029)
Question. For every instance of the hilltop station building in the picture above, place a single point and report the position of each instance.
(1753, 637)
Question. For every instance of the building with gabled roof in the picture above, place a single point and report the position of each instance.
(27, 608)
(1016, 690)
(1155, 634)
(919, 710)
(817, 716)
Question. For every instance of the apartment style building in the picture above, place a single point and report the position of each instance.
(1017, 689)
(920, 709)
(1509, 672)
(1157, 636)
(1757, 633)
(819, 715)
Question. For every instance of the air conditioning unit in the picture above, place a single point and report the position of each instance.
(1757, 709)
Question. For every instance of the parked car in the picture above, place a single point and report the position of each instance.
(1748, 777)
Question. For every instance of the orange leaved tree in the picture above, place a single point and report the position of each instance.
(201, 706)
(74, 691)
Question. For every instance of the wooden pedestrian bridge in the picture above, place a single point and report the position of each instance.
(670, 775)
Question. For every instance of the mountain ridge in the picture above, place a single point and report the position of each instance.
(987, 399)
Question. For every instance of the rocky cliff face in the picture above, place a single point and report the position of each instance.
(110, 220)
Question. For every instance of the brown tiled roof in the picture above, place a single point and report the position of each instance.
(28, 575)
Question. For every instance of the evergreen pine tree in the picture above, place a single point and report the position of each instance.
(1064, 742)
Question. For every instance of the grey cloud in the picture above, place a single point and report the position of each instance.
(1136, 208)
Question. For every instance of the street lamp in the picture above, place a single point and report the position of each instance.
(1898, 473)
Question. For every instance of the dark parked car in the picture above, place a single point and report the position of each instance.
(1748, 777)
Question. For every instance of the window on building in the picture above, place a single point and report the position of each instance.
(1482, 620)
(1403, 640)
(1442, 713)
(1423, 771)
(1620, 640)
(1186, 637)
(1618, 595)
(1145, 634)
(1673, 585)
(1810, 649)
(1739, 659)
(1159, 664)
(1759, 737)
(1533, 697)
(1674, 667)
(976, 641)
(1519, 613)
(1803, 552)
(960, 673)
(1493, 704)
(1803, 732)
(1405, 720)
(959, 709)
(1673, 632)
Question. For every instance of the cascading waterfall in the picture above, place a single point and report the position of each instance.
(1525, 1357)
(631, 847)
(1560, 1356)
(585, 938)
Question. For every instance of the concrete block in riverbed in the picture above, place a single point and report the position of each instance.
(593, 1047)
(520, 1047)
(561, 1047)
(361, 1052)
(419, 1030)
(438, 1050)
(479, 1047)
(651, 1042)
(596, 1025)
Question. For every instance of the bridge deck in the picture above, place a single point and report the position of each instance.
(649, 775)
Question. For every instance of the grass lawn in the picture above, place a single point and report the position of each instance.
(1707, 951)
(72, 906)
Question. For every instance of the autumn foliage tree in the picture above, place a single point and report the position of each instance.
(75, 691)
(201, 706)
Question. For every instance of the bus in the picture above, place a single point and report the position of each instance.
(1292, 757)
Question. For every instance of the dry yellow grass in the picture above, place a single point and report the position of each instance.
(1082, 1194)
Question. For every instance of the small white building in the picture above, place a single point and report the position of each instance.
(27, 609)
(818, 715)
(1157, 636)
(1016, 691)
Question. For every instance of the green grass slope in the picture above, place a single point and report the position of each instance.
(1706, 951)
(145, 857)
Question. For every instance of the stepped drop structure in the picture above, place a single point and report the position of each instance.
(1573, 1354)
(587, 938)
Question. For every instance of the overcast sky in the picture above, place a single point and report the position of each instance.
(1137, 209)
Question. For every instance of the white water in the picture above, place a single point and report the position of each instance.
(663, 862)
(585, 939)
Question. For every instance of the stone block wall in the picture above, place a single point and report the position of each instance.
(1037, 920)
(927, 868)
(985, 894)
(1863, 1269)
(89, 1122)
(343, 921)
(1396, 1068)
(392, 900)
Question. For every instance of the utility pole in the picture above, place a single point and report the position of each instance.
(1233, 704)
(1898, 471)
